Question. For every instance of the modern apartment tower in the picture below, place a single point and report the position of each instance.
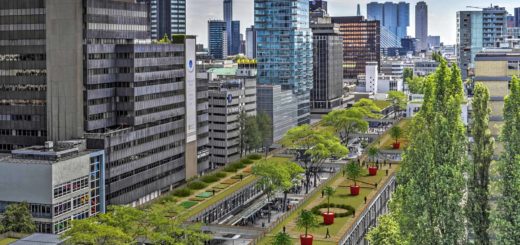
(217, 39)
(469, 39)
(284, 55)
(361, 43)
(83, 69)
(394, 19)
(327, 87)
(232, 29)
(167, 17)
(494, 22)
(421, 25)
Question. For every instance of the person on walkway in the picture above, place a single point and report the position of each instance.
(328, 233)
(284, 229)
(322, 193)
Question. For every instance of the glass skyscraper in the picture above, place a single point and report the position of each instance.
(167, 17)
(217, 39)
(284, 55)
(394, 19)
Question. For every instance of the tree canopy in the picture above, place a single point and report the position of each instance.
(17, 218)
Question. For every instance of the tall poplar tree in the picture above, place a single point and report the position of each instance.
(482, 152)
(507, 222)
(427, 205)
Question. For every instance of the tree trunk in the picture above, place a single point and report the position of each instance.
(284, 207)
(315, 176)
(307, 180)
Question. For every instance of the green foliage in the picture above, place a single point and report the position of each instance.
(396, 132)
(234, 167)
(353, 171)
(164, 40)
(347, 121)
(427, 203)
(276, 175)
(197, 185)
(399, 99)
(329, 192)
(254, 157)
(17, 218)
(264, 127)
(482, 151)
(368, 108)
(221, 174)
(282, 238)
(416, 84)
(182, 192)
(507, 220)
(250, 135)
(387, 232)
(407, 73)
(209, 178)
(246, 161)
(124, 225)
(349, 210)
(372, 153)
(306, 221)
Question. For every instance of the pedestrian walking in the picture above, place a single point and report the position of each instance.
(328, 233)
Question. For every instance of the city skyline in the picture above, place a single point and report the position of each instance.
(442, 22)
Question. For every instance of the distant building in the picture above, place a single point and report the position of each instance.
(408, 47)
(415, 102)
(318, 4)
(517, 17)
(251, 42)
(217, 39)
(469, 39)
(61, 183)
(327, 89)
(425, 67)
(421, 25)
(494, 21)
(494, 68)
(361, 43)
(510, 21)
(234, 45)
(284, 55)
(231, 92)
(434, 41)
(394, 19)
(167, 17)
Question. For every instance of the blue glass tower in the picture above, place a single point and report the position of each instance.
(217, 39)
(234, 44)
(394, 19)
(284, 56)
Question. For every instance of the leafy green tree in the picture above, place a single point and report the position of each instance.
(329, 192)
(507, 221)
(266, 130)
(372, 153)
(396, 132)
(306, 221)
(18, 218)
(427, 205)
(315, 146)
(353, 171)
(282, 238)
(387, 232)
(482, 151)
(164, 40)
(253, 136)
(126, 225)
(368, 107)
(416, 84)
(346, 122)
(407, 74)
(276, 176)
(399, 101)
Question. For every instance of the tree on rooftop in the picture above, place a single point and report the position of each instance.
(265, 128)
(482, 151)
(346, 122)
(399, 101)
(314, 147)
(17, 218)
(282, 238)
(507, 220)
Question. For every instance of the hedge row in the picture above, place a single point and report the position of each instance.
(349, 209)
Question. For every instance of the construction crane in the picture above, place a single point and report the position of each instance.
(473, 7)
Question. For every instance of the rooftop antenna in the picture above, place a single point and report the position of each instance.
(358, 10)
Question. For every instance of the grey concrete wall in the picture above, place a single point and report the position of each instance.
(70, 169)
(21, 182)
(64, 33)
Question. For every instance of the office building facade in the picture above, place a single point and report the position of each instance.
(135, 101)
(494, 22)
(167, 17)
(469, 39)
(434, 41)
(60, 183)
(327, 87)
(251, 42)
(217, 39)
(318, 4)
(517, 17)
(361, 43)
(421, 25)
(394, 19)
(284, 52)
(232, 91)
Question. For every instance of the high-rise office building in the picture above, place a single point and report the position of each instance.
(361, 43)
(232, 29)
(318, 4)
(327, 87)
(284, 55)
(86, 75)
(167, 17)
(394, 19)
(421, 25)
(434, 41)
(251, 42)
(217, 39)
(469, 39)
(517, 17)
(494, 22)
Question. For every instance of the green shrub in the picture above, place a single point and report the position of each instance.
(246, 161)
(233, 167)
(255, 157)
(221, 175)
(209, 179)
(197, 185)
(183, 192)
(349, 210)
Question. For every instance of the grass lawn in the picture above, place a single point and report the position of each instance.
(382, 104)
(7, 241)
(342, 196)
(386, 140)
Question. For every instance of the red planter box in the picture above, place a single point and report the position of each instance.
(396, 145)
(306, 240)
(328, 218)
(372, 171)
(354, 190)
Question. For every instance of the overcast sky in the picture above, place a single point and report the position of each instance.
(442, 14)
